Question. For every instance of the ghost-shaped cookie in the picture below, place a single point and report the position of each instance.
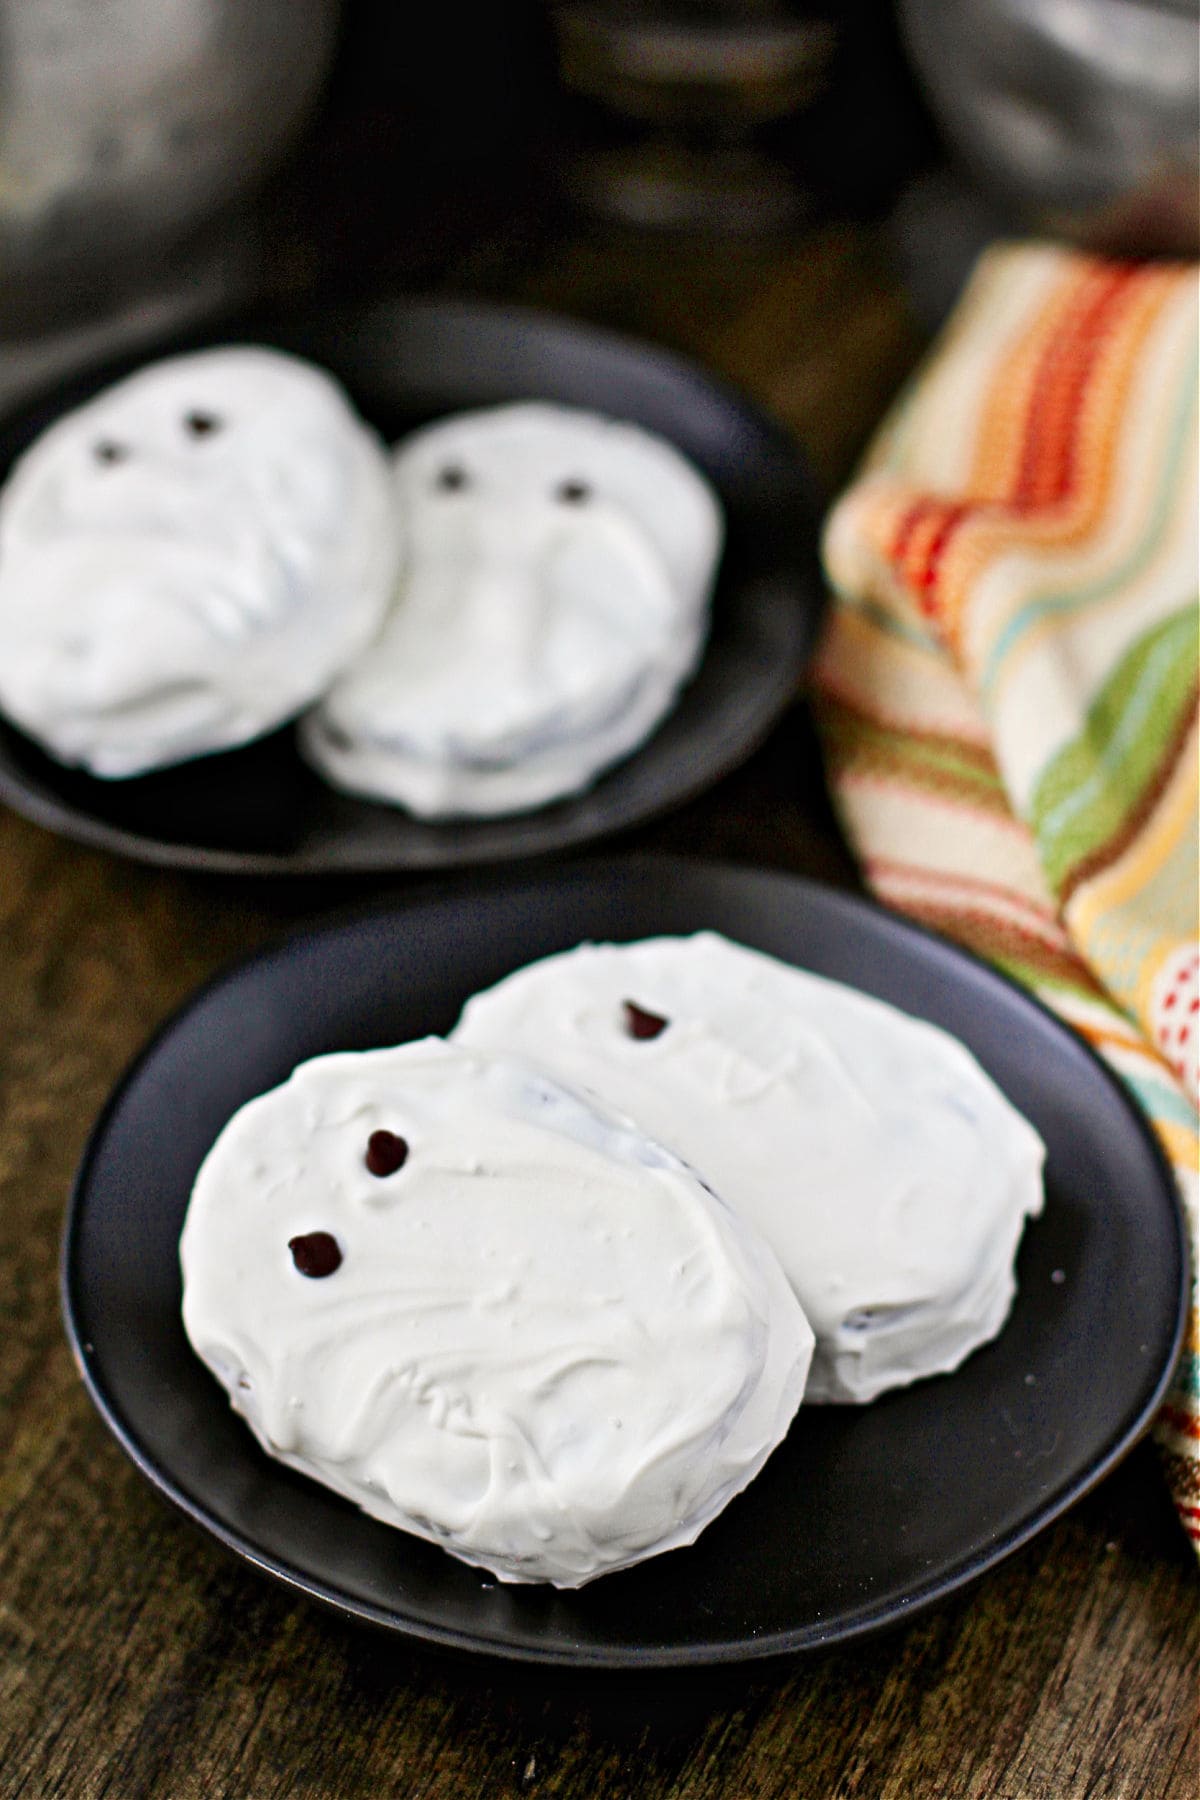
(554, 598)
(188, 560)
(488, 1311)
(888, 1172)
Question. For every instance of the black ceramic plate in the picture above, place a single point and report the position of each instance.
(864, 1515)
(262, 810)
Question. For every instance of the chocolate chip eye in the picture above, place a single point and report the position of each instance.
(202, 424)
(315, 1253)
(642, 1024)
(385, 1153)
(108, 452)
(452, 479)
(573, 493)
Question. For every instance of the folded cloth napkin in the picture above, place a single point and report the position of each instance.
(1007, 688)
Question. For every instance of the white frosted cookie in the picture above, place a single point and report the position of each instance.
(187, 560)
(554, 600)
(887, 1171)
(488, 1311)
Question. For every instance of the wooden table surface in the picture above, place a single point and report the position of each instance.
(138, 1659)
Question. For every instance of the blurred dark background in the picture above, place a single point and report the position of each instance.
(497, 122)
(364, 146)
(164, 159)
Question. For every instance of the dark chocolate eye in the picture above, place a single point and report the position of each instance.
(316, 1253)
(642, 1024)
(385, 1153)
(202, 424)
(108, 452)
(452, 479)
(573, 493)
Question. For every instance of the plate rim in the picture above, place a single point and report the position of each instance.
(864, 1622)
(33, 799)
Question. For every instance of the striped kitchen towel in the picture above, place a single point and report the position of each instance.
(1007, 688)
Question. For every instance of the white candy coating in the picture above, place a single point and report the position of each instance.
(558, 569)
(547, 1347)
(187, 560)
(887, 1171)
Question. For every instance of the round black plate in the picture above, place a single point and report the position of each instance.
(864, 1514)
(262, 810)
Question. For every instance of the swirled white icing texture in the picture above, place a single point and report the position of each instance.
(189, 559)
(554, 599)
(889, 1173)
(547, 1346)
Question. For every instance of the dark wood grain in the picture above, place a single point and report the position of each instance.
(137, 1659)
